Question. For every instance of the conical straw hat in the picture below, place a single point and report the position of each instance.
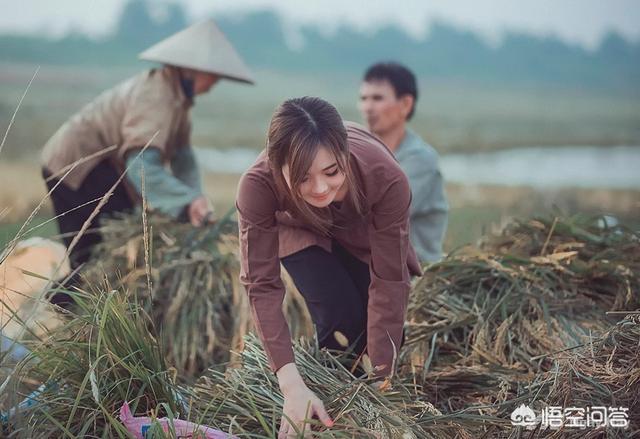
(201, 47)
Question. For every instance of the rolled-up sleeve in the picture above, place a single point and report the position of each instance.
(185, 168)
(260, 267)
(164, 192)
(390, 278)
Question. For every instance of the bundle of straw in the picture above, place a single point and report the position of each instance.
(185, 277)
(247, 400)
(188, 280)
(603, 255)
(489, 320)
(101, 357)
(605, 373)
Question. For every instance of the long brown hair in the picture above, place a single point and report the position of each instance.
(298, 128)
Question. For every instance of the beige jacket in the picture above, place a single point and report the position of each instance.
(124, 117)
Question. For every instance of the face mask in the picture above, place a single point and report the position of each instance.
(187, 87)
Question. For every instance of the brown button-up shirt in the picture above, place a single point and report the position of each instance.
(124, 117)
(379, 237)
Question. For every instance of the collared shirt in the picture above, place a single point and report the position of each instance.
(379, 237)
(150, 107)
(429, 207)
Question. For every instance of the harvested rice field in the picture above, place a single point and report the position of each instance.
(544, 312)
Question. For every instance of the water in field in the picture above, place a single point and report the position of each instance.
(549, 167)
(585, 167)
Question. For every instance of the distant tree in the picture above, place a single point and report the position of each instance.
(176, 18)
(135, 23)
(142, 22)
(614, 46)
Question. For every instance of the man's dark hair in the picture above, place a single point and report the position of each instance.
(401, 79)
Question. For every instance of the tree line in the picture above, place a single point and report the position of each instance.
(446, 52)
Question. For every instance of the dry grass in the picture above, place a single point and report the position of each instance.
(604, 373)
(188, 281)
(499, 315)
(22, 189)
(486, 320)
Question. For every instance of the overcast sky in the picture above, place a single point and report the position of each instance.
(582, 22)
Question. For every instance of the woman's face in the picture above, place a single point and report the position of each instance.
(323, 183)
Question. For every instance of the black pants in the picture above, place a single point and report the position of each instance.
(335, 287)
(71, 217)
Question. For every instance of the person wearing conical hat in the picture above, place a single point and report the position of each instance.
(142, 126)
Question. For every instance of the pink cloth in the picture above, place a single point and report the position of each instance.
(183, 429)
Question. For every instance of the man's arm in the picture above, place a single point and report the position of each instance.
(185, 168)
(163, 191)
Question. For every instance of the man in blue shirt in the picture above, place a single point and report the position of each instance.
(388, 96)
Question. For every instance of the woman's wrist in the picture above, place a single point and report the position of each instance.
(289, 378)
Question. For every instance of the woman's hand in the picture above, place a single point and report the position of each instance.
(300, 403)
